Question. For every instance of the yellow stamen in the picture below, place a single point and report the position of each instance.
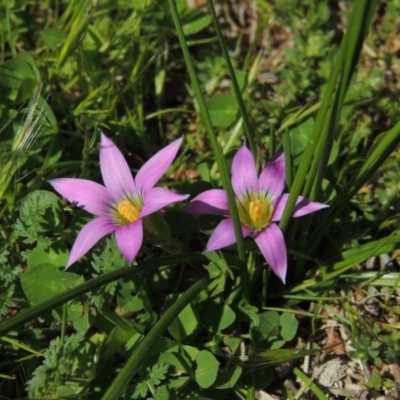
(128, 211)
(255, 210)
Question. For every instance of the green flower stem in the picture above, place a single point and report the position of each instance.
(39, 309)
(134, 362)
(214, 144)
(242, 108)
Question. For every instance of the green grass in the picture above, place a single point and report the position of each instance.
(319, 81)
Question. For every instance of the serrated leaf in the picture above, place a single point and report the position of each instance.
(158, 373)
(41, 211)
(376, 381)
(161, 393)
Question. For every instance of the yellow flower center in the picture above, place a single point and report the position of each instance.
(126, 211)
(255, 210)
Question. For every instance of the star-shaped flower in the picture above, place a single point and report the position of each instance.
(122, 203)
(260, 204)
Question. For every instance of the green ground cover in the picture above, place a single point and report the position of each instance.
(159, 318)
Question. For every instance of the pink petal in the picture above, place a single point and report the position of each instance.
(214, 201)
(89, 195)
(89, 235)
(272, 245)
(224, 235)
(129, 239)
(244, 174)
(157, 198)
(156, 167)
(272, 177)
(116, 174)
(303, 206)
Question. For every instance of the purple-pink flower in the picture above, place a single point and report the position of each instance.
(122, 203)
(260, 204)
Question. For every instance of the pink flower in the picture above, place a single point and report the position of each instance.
(122, 203)
(260, 204)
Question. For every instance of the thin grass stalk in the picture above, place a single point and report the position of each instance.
(342, 262)
(319, 129)
(104, 279)
(378, 156)
(78, 27)
(359, 23)
(214, 145)
(134, 363)
(239, 98)
(23, 141)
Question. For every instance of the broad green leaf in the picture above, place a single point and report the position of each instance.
(241, 77)
(14, 72)
(289, 325)
(251, 312)
(204, 170)
(186, 322)
(328, 190)
(227, 379)
(44, 281)
(27, 57)
(232, 342)
(56, 254)
(179, 382)
(117, 339)
(219, 317)
(190, 351)
(177, 360)
(127, 302)
(263, 376)
(299, 138)
(194, 20)
(207, 369)
(223, 109)
(269, 323)
(53, 37)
